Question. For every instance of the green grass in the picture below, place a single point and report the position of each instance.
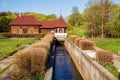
(8, 47)
(109, 44)
(4, 69)
(112, 70)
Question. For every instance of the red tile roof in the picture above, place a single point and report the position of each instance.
(25, 20)
(60, 22)
(47, 24)
(31, 20)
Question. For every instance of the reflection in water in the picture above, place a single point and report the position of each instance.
(64, 68)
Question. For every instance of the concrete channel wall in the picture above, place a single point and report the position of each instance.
(88, 68)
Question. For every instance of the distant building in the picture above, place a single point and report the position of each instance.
(30, 25)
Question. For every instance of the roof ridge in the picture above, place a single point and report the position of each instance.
(32, 20)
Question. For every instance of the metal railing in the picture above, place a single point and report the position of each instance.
(61, 35)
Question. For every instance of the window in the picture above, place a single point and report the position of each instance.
(25, 30)
(60, 30)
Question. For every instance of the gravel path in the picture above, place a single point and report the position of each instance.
(5, 62)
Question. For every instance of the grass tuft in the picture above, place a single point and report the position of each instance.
(112, 70)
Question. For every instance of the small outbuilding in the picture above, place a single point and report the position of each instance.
(28, 24)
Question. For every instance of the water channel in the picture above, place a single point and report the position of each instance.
(64, 68)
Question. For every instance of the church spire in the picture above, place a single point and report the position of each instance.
(60, 13)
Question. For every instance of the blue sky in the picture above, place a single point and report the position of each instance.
(43, 6)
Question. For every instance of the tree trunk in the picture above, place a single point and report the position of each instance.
(102, 30)
(92, 33)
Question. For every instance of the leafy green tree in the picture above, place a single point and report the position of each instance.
(97, 13)
(74, 18)
(93, 18)
(5, 19)
(39, 16)
(114, 23)
(51, 17)
(106, 7)
(43, 17)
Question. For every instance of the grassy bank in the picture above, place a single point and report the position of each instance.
(109, 44)
(112, 70)
(8, 47)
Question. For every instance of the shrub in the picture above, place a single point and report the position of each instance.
(77, 40)
(72, 37)
(43, 44)
(49, 37)
(104, 57)
(30, 63)
(86, 45)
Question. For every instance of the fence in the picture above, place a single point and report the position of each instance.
(88, 68)
(61, 35)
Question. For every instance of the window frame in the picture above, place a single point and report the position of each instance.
(25, 30)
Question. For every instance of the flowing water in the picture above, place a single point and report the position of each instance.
(64, 68)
